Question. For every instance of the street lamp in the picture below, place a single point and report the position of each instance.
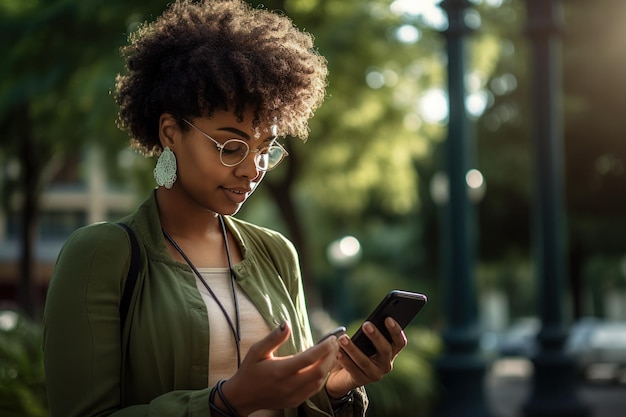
(553, 392)
(343, 254)
(460, 369)
(440, 188)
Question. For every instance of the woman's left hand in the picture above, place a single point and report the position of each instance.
(355, 369)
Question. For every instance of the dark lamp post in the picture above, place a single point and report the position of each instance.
(553, 392)
(460, 370)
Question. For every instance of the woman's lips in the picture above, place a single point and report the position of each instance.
(237, 195)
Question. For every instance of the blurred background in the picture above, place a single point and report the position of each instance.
(362, 199)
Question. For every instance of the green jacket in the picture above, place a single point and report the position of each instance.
(158, 365)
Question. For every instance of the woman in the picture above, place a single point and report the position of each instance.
(216, 323)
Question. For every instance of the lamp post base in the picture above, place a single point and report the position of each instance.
(462, 386)
(554, 388)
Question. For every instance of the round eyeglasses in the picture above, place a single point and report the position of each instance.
(234, 151)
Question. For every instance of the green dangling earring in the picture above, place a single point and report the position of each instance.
(165, 169)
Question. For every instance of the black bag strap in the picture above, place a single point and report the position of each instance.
(131, 279)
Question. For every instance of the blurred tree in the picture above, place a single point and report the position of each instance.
(59, 62)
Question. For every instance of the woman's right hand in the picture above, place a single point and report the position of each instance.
(265, 381)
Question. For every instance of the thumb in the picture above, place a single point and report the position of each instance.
(265, 347)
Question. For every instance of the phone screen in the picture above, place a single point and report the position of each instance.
(402, 306)
(336, 332)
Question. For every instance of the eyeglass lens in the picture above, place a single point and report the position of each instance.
(234, 151)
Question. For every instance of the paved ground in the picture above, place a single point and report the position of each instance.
(508, 388)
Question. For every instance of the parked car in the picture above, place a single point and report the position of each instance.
(599, 349)
(520, 339)
(597, 346)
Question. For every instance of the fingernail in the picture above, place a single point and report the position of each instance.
(391, 322)
(344, 340)
(281, 325)
(368, 327)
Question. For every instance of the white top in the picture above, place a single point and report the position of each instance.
(222, 348)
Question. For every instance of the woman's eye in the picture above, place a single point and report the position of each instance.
(234, 147)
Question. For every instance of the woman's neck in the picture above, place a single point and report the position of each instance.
(182, 217)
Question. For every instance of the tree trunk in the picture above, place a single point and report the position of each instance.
(576, 285)
(280, 190)
(27, 294)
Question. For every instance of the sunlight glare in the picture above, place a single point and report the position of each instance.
(375, 79)
(476, 103)
(408, 34)
(504, 84)
(344, 252)
(428, 10)
(433, 106)
(474, 178)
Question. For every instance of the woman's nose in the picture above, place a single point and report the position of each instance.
(250, 166)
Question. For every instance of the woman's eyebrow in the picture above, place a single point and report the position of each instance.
(235, 131)
(244, 134)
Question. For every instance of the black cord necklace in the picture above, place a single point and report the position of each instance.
(235, 328)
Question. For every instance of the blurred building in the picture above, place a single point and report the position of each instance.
(79, 194)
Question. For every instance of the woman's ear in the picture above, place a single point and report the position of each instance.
(169, 131)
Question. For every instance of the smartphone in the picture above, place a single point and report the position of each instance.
(336, 332)
(402, 306)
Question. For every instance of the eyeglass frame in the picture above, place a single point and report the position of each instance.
(221, 146)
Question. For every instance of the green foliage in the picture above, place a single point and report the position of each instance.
(411, 388)
(58, 70)
(22, 384)
(367, 153)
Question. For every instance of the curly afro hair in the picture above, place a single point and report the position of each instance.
(203, 56)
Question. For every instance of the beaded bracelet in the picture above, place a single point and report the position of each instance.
(339, 403)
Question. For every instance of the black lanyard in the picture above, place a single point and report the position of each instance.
(235, 328)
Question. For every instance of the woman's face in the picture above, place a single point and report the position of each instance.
(202, 178)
